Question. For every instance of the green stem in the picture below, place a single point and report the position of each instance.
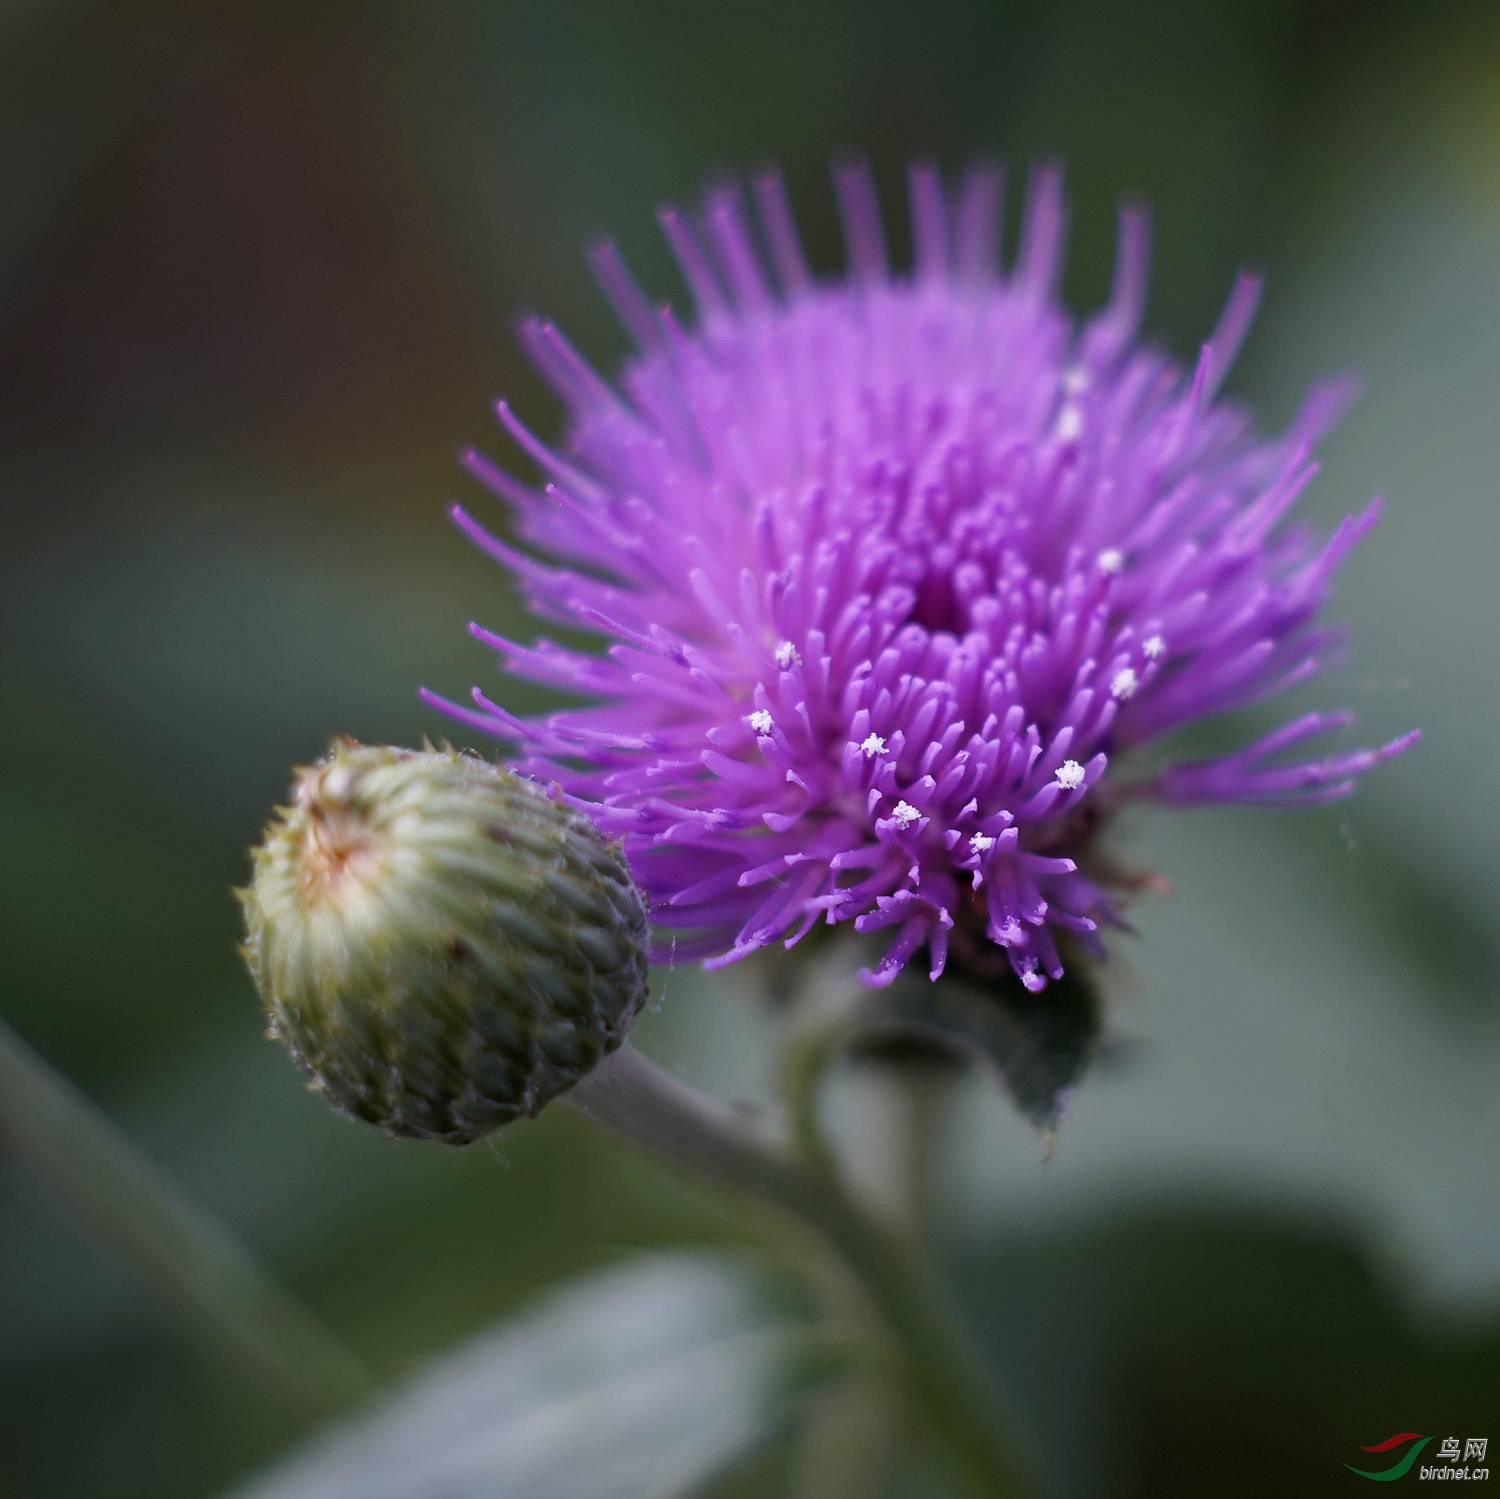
(169, 1232)
(844, 1447)
(652, 1110)
(806, 1055)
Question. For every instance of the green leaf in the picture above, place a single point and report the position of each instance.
(1040, 1045)
(641, 1382)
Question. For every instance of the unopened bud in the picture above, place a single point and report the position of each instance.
(440, 944)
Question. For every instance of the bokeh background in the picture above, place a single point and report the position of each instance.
(259, 262)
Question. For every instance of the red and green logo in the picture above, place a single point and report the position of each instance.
(1402, 1466)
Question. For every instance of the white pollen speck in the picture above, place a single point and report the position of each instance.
(1124, 684)
(788, 656)
(905, 814)
(761, 721)
(873, 745)
(1070, 775)
(1069, 423)
(1155, 648)
(1010, 933)
(981, 843)
(1111, 560)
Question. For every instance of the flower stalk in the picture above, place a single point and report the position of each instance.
(647, 1107)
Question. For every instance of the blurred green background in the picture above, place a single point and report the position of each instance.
(258, 265)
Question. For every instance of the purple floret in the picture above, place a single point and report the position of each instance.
(894, 569)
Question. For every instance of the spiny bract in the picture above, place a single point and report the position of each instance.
(442, 945)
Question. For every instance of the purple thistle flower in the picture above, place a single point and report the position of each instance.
(895, 569)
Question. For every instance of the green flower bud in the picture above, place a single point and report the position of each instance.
(440, 944)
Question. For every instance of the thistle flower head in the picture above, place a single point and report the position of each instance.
(441, 945)
(894, 570)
